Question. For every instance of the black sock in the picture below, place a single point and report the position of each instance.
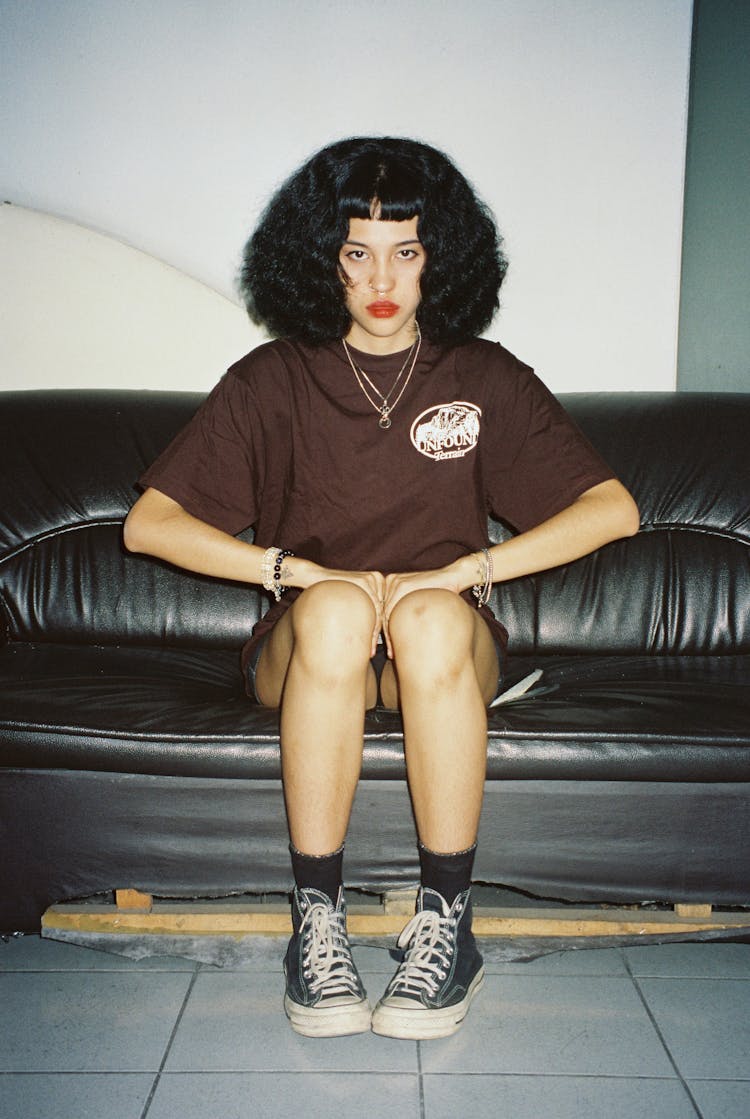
(447, 875)
(318, 872)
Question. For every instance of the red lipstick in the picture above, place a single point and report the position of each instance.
(383, 309)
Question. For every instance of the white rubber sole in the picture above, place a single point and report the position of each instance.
(328, 1021)
(420, 1024)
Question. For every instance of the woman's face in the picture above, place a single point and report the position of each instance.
(382, 262)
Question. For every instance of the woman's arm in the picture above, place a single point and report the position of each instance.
(159, 526)
(603, 513)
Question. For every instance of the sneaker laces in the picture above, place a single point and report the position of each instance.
(327, 957)
(428, 961)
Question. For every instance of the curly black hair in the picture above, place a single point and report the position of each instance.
(290, 277)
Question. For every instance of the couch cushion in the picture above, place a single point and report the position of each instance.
(183, 712)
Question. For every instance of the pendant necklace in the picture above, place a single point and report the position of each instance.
(385, 407)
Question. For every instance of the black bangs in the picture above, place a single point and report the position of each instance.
(377, 185)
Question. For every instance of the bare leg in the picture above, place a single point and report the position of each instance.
(316, 665)
(446, 673)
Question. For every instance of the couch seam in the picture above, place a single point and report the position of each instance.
(502, 734)
(701, 530)
(60, 530)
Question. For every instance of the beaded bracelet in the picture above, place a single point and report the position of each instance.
(271, 570)
(482, 592)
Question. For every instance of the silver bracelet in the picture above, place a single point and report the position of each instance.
(483, 591)
(266, 568)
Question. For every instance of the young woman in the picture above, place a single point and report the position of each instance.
(366, 445)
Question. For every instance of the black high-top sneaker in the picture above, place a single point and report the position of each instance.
(440, 974)
(324, 993)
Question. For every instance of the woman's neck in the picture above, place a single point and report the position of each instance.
(368, 343)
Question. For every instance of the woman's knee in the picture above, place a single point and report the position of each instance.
(333, 618)
(431, 627)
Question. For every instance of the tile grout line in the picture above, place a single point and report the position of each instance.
(614, 1076)
(170, 1042)
(420, 1081)
(661, 1037)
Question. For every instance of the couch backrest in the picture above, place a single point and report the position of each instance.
(69, 461)
(682, 585)
(69, 464)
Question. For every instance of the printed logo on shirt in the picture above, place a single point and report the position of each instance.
(447, 430)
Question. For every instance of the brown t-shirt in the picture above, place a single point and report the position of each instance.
(287, 442)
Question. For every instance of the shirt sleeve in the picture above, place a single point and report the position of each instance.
(213, 468)
(536, 460)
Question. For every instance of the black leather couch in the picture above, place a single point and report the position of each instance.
(130, 756)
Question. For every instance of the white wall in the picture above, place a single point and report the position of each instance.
(166, 123)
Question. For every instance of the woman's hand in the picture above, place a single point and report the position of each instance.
(455, 577)
(304, 574)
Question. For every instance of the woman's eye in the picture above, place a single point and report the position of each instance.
(356, 254)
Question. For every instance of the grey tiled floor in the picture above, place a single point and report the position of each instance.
(662, 1032)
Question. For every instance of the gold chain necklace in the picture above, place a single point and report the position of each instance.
(385, 408)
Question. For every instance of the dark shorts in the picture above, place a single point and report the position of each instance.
(378, 662)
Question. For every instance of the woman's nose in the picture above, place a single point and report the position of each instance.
(381, 279)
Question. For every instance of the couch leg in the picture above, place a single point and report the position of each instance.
(134, 901)
(134, 915)
(688, 909)
(400, 901)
